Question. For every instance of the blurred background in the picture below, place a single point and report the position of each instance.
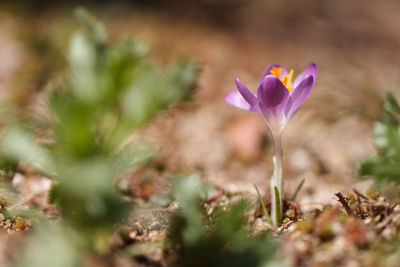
(355, 45)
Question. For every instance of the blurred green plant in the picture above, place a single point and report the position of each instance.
(384, 166)
(110, 91)
(222, 239)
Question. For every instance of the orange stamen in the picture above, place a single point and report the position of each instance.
(286, 80)
(289, 80)
(276, 71)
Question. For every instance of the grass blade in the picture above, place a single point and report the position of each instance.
(297, 190)
(278, 207)
(263, 206)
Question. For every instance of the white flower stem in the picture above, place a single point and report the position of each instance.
(276, 180)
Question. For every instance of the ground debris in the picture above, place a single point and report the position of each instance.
(344, 235)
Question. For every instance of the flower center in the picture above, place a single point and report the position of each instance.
(286, 80)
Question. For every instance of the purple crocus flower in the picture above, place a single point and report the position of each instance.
(278, 96)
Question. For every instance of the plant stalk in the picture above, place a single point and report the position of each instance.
(276, 180)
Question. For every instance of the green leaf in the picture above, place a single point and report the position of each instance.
(384, 166)
(17, 144)
(51, 244)
(224, 236)
(180, 80)
(187, 191)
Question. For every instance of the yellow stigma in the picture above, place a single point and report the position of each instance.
(286, 80)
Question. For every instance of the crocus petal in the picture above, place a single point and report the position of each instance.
(236, 99)
(284, 72)
(299, 95)
(248, 95)
(272, 96)
(310, 70)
